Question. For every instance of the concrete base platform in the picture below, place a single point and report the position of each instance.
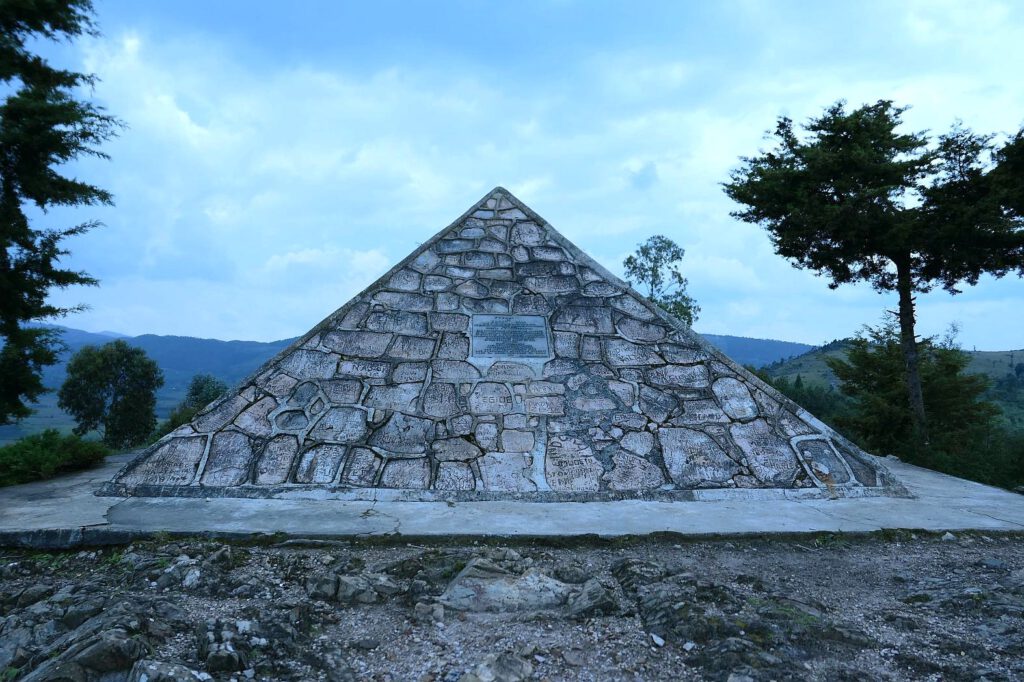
(65, 512)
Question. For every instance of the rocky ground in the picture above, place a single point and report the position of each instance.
(831, 608)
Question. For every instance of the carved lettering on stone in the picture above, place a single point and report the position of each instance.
(340, 425)
(694, 459)
(173, 462)
(491, 398)
(276, 460)
(403, 434)
(770, 457)
(570, 466)
(633, 473)
(735, 399)
(228, 463)
(319, 464)
(361, 468)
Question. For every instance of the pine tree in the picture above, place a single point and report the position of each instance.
(44, 125)
(857, 200)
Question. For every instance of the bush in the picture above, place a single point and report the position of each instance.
(46, 454)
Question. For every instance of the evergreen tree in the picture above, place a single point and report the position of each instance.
(857, 200)
(880, 419)
(112, 388)
(43, 127)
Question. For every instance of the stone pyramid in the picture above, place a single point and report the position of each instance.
(499, 360)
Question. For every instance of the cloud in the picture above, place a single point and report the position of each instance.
(257, 193)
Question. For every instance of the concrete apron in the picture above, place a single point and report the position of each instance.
(64, 513)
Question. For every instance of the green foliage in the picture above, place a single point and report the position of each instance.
(655, 266)
(856, 200)
(112, 388)
(46, 454)
(43, 128)
(202, 390)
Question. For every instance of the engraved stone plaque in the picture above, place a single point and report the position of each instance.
(510, 336)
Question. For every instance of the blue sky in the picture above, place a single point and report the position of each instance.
(280, 157)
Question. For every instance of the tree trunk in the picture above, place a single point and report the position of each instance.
(908, 343)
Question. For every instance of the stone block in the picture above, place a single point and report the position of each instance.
(492, 246)
(590, 349)
(528, 234)
(703, 411)
(455, 450)
(545, 405)
(569, 466)
(319, 464)
(454, 476)
(406, 473)
(409, 372)
(567, 344)
(551, 285)
(583, 319)
(633, 307)
(501, 289)
(449, 322)
(683, 355)
(403, 434)
(340, 425)
(472, 289)
(454, 346)
(499, 274)
(370, 369)
(770, 458)
(593, 403)
(278, 384)
(656, 405)
(528, 304)
(823, 462)
(599, 288)
(425, 262)
(405, 280)
(404, 301)
(453, 370)
(228, 463)
(548, 253)
(638, 442)
(447, 301)
(361, 468)
(292, 420)
(275, 463)
(514, 421)
(398, 397)
(544, 269)
(499, 232)
(509, 371)
(633, 473)
(473, 232)
(517, 441)
(342, 390)
(446, 246)
(310, 364)
(734, 398)
(636, 330)
(694, 459)
(491, 398)
(621, 353)
(398, 321)
(680, 376)
(507, 471)
(491, 306)
(625, 392)
(544, 388)
(411, 348)
(478, 259)
(253, 419)
(357, 344)
(174, 461)
(439, 400)
(486, 435)
(436, 283)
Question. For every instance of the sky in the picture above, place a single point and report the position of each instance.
(279, 157)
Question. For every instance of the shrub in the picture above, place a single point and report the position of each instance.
(46, 454)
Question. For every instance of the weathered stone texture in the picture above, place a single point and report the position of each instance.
(388, 391)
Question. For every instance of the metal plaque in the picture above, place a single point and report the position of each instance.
(510, 336)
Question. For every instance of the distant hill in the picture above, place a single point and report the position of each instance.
(996, 365)
(181, 357)
(756, 352)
